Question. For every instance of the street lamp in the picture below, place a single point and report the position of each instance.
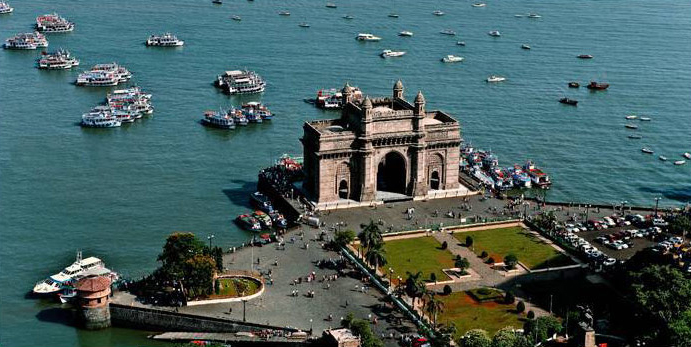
(657, 202)
(210, 237)
(311, 325)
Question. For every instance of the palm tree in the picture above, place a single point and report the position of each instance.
(414, 286)
(376, 255)
(370, 235)
(433, 306)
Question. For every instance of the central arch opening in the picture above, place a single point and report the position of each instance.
(391, 173)
(343, 189)
(434, 180)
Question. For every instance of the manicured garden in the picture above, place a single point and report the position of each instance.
(234, 287)
(423, 254)
(467, 313)
(528, 247)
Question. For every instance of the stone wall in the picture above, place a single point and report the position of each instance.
(95, 318)
(161, 320)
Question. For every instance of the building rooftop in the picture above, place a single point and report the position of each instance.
(93, 284)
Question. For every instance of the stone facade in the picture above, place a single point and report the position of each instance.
(93, 297)
(381, 145)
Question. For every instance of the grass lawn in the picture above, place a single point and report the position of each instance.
(529, 249)
(466, 314)
(234, 287)
(418, 254)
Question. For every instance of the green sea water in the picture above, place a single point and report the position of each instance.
(116, 193)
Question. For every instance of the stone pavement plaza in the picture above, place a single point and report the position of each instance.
(278, 307)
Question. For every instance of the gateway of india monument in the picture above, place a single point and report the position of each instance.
(381, 149)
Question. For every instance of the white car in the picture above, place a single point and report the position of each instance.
(609, 262)
(609, 221)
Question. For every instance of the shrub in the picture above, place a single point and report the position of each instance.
(447, 290)
(531, 314)
(510, 260)
(433, 277)
(510, 298)
(444, 245)
(490, 260)
(483, 254)
(468, 241)
(520, 307)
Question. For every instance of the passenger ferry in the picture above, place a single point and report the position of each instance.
(5, 8)
(261, 202)
(66, 279)
(240, 82)
(256, 109)
(367, 37)
(165, 40)
(26, 41)
(219, 120)
(104, 75)
(100, 119)
(239, 118)
(538, 177)
(52, 23)
(58, 60)
(120, 71)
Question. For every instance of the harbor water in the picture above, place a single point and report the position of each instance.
(117, 193)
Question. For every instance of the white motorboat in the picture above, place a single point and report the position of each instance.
(70, 275)
(452, 59)
(680, 162)
(387, 53)
(495, 78)
(165, 40)
(663, 158)
(479, 4)
(519, 15)
(494, 33)
(349, 17)
(331, 5)
(393, 15)
(438, 13)
(631, 116)
(647, 150)
(461, 43)
(448, 32)
(284, 13)
(645, 119)
(405, 33)
(367, 37)
(525, 46)
(5, 8)
(534, 15)
(687, 155)
(304, 25)
(236, 18)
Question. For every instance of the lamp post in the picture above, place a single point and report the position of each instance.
(311, 325)
(657, 202)
(244, 310)
(210, 237)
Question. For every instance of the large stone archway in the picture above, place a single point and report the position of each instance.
(391, 173)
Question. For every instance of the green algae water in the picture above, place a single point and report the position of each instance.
(116, 193)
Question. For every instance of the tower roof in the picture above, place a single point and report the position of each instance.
(398, 85)
(347, 88)
(367, 103)
(93, 284)
(420, 99)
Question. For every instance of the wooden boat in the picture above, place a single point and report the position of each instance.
(574, 85)
(598, 86)
(568, 101)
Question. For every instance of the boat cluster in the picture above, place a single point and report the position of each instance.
(165, 40)
(264, 218)
(58, 60)
(484, 166)
(121, 106)
(53, 23)
(104, 75)
(26, 41)
(240, 82)
(5, 8)
(251, 112)
(332, 98)
(593, 86)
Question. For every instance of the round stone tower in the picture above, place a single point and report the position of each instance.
(93, 296)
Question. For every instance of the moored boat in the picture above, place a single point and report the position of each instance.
(647, 150)
(240, 82)
(568, 101)
(452, 59)
(261, 202)
(534, 15)
(248, 222)
(635, 137)
(263, 218)
(217, 119)
(304, 25)
(631, 126)
(448, 32)
(284, 13)
(525, 46)
(645, 119)
(331, 5)
(58, 60)
(393, 15)
(597, 86)
(495, 78)
(66, 278)
(494, 33)
(367, 37)
(26, 41)
(438, 13)
(387, 53)
(574, 85)
(631, 116)
(461, 43)
(5, 8)
(539, 178)
(585, 56)
(348, 17)
(165, 40)
(687, 155)
(256, 112)
(479, 4)
(662, 158)
(680, 162)
(405, 33)
(53, 23)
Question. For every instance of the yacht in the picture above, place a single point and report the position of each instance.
(479, 4)
(452, 59)
(240, 82)
(25, 41)
(284, 13)
(100, 119)
(647, 150)
(406, 33)
(5, 8)
(165, 40)
(68, 277)
(494, 33)
(59, 60)
(52, 23)
(534, 15)
(304, 25)
(219, 120)
(387, 53)
(367, 37)
(525, 46)
(495, 78)
(448, 32)
(438, 13)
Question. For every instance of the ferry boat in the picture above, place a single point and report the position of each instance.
(495, 78)
(538, 177)
(262, 202)
(387, 53)
(5, 8)
(574, 85)
(120, 72)
(263, 218)
(219, 120)
(240, 82)
(100, 119)
(438, 13)
(256, 112)
(66, 278)
(52, 23)
(494, 33)
(452, 59)
(248, 222)
(597, 86)
(568, 101)
(367, 37)
(58, 60)
(585, 56)
(448, 32)
(26, 41)
(165, 40)
(405, 34)
(97, 79)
